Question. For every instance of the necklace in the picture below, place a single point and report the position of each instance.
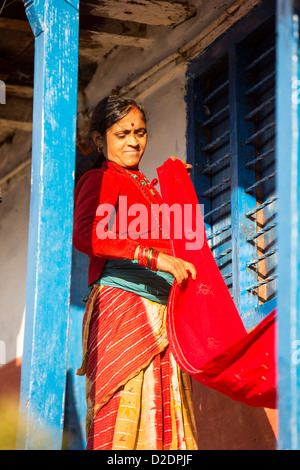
(144, 181)
(141, 184)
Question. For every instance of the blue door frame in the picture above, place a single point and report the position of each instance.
(48, 326)
(288, 172)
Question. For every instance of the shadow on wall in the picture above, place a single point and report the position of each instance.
(225, 424)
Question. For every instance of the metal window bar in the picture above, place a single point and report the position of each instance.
(260, 182)
(261, 232)
(220, 243)
(217, 141)
(216, 91)
(219, 232)
(259, 108)
(261, 258)
(260, 83)
(216, 116)
(263, 56)
(260, 132)
(260, 157)
(261, 206)
(224, 253)
(262, 283)
(209, 193)
(217, 209)
(227, 276)
(215, 164)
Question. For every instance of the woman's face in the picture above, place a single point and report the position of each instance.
(126, 140)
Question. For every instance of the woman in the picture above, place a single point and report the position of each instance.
(137, 397)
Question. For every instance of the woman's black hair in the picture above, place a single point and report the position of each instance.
(108, 112)
(111, 110)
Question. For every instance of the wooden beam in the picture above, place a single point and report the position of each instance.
(12, 125)
(19, 91)
(159, 13)
(14, 24)
(20, 168)
(16, 114)
(15, 67)
(89, 39)
(5, 69)
(93, 33)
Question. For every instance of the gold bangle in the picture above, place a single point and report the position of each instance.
(149, 258)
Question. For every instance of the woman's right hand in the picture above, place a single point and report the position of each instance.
(179, 268)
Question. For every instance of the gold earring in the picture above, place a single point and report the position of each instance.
(99, 149)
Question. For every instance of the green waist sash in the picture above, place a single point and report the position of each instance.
(130, 276)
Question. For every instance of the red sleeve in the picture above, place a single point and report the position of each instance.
(96, 190)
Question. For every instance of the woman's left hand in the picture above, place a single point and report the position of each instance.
(187, 165)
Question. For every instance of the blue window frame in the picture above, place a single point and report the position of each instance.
(231, 144)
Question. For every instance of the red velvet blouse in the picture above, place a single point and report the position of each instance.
(101, 237)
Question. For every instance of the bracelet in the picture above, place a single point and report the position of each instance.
(142, 256)
(155, 254)
(147, 257)
(152, 259)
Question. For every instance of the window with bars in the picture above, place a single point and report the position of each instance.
(231, 144)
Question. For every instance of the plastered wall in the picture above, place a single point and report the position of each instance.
(14, 217)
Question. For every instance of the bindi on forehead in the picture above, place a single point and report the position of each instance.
(132, 124)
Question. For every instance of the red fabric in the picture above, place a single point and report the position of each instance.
(206, 333)
(103, 427)
(102, 430)
(122, 342)
(105, 186)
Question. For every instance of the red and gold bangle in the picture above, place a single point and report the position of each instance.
(147, 257)
(155, 254)
(142, 256)
(152, 259)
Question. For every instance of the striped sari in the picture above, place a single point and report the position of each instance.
(137, 397)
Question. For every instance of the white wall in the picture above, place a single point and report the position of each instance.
(14, 214)
(166, 113)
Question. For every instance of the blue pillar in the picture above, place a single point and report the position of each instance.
(43, 378)
(288, 169)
